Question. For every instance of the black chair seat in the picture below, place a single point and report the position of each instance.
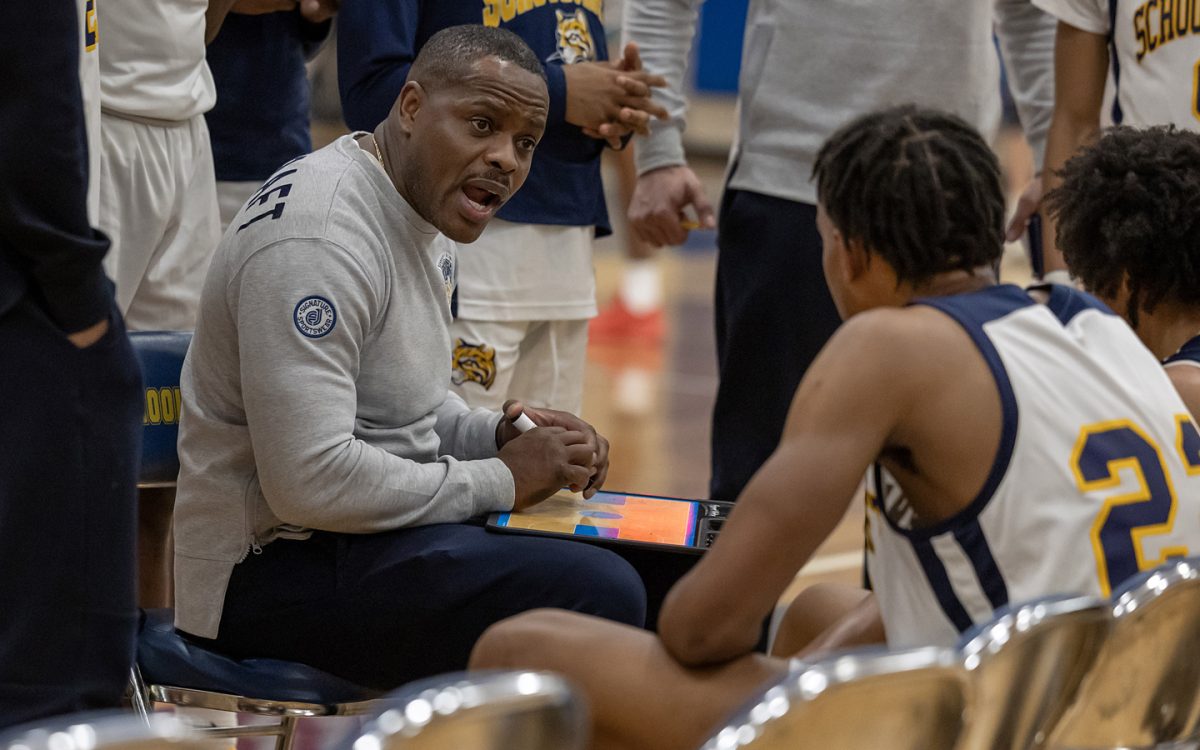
(166, 658)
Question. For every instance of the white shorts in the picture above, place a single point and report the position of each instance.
(539, 362)
(525, 294)
(158, 205)
(527, 272)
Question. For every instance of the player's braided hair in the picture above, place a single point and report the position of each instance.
(449, 53)
(1129, 208)
(916, 186)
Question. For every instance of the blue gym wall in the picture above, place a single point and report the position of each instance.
(719, 48)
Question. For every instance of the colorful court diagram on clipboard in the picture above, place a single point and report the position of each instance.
(613, 516)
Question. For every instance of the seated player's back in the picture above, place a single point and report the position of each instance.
(1097, 475)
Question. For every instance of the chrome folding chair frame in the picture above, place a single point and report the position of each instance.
(143, 697)
(1026, 665)
(105, 730)
(865, 674)
(1144, 689)
(515, 709)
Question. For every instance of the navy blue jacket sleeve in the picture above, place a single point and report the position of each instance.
(46, 242)
(377, 41)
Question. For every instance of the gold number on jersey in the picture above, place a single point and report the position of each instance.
(1102, 452)
(1196, 91)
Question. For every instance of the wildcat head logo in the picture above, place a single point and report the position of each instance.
(473, 363)
(574, 39)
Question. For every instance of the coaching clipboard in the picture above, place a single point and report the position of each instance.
(620, 518)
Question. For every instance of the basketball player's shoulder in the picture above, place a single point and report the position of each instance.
(905, 331)
(912, 345)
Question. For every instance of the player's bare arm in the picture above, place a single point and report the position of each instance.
(862, 398)
(1080, 71)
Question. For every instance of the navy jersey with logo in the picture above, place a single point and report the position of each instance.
(378, 40)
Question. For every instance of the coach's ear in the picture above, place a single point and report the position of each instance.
(412, 96)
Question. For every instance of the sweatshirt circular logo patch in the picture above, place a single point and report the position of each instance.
(314, 316)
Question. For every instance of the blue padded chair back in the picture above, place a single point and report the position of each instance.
(167, 658)
(481, 711)
(161, 354)
(900, 700)
(1145, 686)
(1026, 665)
(107, 730)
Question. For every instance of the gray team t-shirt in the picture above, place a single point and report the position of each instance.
(315, 390)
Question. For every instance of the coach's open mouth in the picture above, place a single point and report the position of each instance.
(483, 198)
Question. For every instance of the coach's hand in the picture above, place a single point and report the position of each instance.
(656, 208)
(596, 444)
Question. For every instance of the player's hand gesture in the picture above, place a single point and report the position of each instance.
(656, 210)
(611, 99)
(1027, 206)
(587, 449)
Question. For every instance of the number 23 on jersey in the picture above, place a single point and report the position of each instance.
(1104, 456)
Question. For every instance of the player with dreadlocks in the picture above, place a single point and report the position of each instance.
(1128, 224)
(920, 390)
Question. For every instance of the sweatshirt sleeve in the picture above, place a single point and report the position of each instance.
(663, 30)
(466, 433)
(378, 42)
(1026, 35)
(299, 394)
(44, 229)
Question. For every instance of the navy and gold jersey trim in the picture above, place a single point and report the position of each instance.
(973, 311)
(1188, 353)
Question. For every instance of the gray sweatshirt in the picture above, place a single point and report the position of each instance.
(809, 66)
(315, 390)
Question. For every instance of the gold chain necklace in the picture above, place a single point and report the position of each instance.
(378, 154)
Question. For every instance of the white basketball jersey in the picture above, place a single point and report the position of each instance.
(1156, 67)
(1097, 476)
(152, 62)
(89, 84)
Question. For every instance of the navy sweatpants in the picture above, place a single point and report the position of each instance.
(773, 315)
(383, 609)
(70, 436)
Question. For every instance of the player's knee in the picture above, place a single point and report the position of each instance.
(520, 642)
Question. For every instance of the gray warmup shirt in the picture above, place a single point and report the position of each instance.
(315, 390)
(810, 66)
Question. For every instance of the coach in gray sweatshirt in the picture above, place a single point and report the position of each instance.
(324, 464)
(808, 66)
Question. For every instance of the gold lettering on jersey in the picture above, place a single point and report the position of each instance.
(89, 25)
(496, 12)
(163, 406)
(1157, 23)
